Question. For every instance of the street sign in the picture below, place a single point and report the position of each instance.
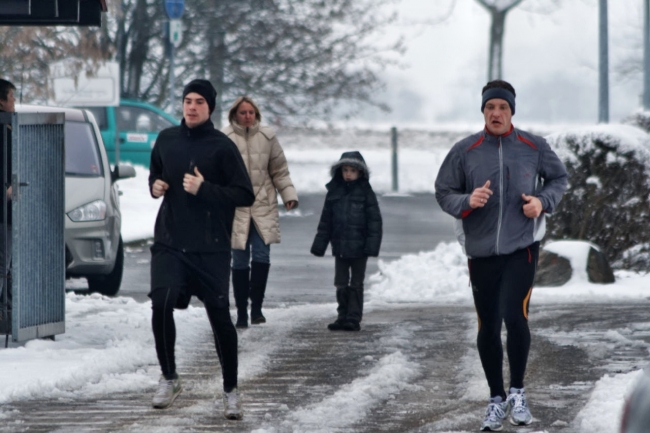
(174, 8)
(175, 32)
(70, 88)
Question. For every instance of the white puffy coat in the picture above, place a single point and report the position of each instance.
(268, 170)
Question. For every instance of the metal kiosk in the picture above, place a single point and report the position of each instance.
(33, 302)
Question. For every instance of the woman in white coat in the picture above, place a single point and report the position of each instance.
(255, 228)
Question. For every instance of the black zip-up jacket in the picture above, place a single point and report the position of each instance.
(351, 219)
(201, 223)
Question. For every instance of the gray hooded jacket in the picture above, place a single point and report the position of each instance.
(515, 163)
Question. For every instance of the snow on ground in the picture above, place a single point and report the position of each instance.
(108, 345)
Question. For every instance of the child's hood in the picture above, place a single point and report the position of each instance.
(353, 159)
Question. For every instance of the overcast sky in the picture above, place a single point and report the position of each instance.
(550, 57)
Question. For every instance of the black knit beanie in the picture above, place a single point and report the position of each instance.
(499, 93)
(203, 88)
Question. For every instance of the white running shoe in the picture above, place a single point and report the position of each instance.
(519, 413)
(495, 413)
(232, 405)
(167, 392)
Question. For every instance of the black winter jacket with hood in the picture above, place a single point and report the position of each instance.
(351, 219)
(200, 223)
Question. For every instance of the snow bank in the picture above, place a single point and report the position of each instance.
(438, 276)
(139, 209)
(608, 397)
(441, 277)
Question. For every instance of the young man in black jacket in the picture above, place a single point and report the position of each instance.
(352, 222)
(202, 177)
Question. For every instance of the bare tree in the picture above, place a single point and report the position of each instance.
(26, 59)
(298, 58)
(634, 53)
(135, 31)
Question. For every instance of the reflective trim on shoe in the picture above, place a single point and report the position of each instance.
(232, 405)
(495, 413)
(167, 392)
(520, 412)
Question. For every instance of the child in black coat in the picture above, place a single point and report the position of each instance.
(351, 221)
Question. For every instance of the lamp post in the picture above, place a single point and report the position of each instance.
(603, 65)
(174, 10)
(646, 55)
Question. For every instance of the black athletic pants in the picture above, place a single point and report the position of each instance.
(348, 280)
(502, 286)
(175, 277)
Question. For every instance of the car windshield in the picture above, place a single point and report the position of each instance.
(81, 150)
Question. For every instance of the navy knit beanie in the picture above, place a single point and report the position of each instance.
(499, 93)
(203, 88)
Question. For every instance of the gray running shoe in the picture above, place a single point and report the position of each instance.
(519, 413)
(232, 405)
(495, 413)
(167, 392)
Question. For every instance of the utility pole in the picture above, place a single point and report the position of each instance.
(646, 55)
(603, 65)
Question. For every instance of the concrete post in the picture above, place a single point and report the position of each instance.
(395, 185)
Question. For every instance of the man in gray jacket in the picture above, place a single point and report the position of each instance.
(499, 184)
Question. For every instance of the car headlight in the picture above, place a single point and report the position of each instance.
(94, 211)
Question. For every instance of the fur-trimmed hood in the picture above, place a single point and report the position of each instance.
(353, 159)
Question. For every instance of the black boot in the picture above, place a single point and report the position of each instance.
(240, 287)
(336, 325)
(355, 309)
(342, 309)
(259, 276)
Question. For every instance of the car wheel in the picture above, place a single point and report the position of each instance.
(109, 284)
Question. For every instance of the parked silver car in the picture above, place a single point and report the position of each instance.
(93, 243)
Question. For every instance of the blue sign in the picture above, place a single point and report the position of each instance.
(174, 8)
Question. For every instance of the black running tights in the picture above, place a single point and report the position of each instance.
(501, 287)
(164, 330)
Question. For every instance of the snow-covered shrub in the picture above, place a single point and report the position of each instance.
(636, 258)
(641, 119)
(608, 199)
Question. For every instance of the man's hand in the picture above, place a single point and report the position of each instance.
(9, 193)
(290, 204)
(191, 183)
(480, 196)
(533, 206)
(159, 187)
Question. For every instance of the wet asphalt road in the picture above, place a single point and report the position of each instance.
(573, 346)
